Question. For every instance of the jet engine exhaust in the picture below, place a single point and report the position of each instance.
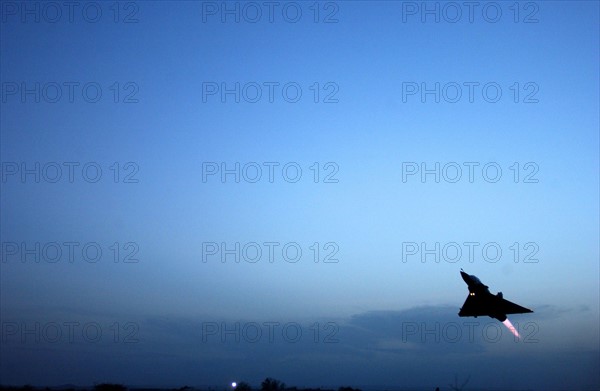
(511, 328)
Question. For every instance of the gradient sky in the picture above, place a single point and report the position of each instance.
(377, 316)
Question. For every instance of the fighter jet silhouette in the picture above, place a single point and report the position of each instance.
(481, 302)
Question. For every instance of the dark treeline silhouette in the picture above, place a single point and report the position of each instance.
(269, 384)
(109, 387)
(97, 387)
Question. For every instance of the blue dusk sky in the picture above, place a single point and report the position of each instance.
(195, 193)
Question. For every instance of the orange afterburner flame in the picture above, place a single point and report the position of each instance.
(511, 328)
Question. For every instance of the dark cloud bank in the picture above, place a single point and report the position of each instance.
(419, 348)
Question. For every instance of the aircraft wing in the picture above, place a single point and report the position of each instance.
(508, 307)
(474, 306)
(484, 305)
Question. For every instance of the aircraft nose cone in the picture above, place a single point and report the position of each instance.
(465, 276)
